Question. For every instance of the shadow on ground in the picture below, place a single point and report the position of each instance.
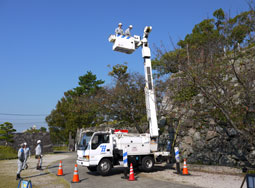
(62, 152)
(42, 174)
(52, 167)
(137, 170)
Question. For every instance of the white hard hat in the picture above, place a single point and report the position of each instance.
(38, 141)
(25, 143)
(130, 26)
(120, 23)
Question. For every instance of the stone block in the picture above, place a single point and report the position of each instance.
(197, 136)
(188, 140)
(210, 135)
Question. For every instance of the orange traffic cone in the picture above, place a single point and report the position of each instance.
(60, 170)
(75, 175)
(131, 174)
(185, 169)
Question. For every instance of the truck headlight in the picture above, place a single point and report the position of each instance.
(86, 157)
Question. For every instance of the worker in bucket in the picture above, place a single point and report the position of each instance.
(38, 155)
(27, 154)
(21, 158)
(119, 30)
(128, 30)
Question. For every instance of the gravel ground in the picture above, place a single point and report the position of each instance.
(39, 178)
(202, 176)
(43, 178)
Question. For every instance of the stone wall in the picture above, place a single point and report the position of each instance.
(212, 146)
(31, 140)
(209, 145)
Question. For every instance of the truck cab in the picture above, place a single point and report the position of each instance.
(83, 147)
(98, 152)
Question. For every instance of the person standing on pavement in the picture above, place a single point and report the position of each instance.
(38, 155)
(21, 158)
(27, 154)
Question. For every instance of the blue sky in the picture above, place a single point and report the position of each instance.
(45, 45)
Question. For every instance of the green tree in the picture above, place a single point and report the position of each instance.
(88, 84)
(78, 108)
(215, 78)
(6, 132)
(220, 15)
(43, 129)
(34, 130)
(119, 72)
(125, 101)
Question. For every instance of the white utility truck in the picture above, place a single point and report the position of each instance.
(101, 151)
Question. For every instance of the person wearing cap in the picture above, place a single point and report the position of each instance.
(21, 158)
(119, 30)
(27, 154)
(38, 155)
(128, 30)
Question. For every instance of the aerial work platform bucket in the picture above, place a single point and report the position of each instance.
(123, 43)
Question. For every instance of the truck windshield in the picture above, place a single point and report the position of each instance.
(84, 140)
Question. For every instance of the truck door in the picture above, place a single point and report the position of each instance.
(101, 146)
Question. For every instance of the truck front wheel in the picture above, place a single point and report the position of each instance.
(147, 163)
(104, 167)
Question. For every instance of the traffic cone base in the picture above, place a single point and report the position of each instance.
(186, 174)
(60, 169)
(75, 175)
(185, 169)
(60, 174)
(131, 174)
(76, 181)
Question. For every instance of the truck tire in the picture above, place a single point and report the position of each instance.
(147, 163)
(104, 167)
(92, 168)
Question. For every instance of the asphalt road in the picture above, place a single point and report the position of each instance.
(94, 180)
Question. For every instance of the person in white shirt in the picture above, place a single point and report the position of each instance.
(128, 30)
(119, 30)
(27, 154)
(38, 155)
(21, 158)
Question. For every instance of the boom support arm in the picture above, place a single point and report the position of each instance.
(150, 99)
(149, 89)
